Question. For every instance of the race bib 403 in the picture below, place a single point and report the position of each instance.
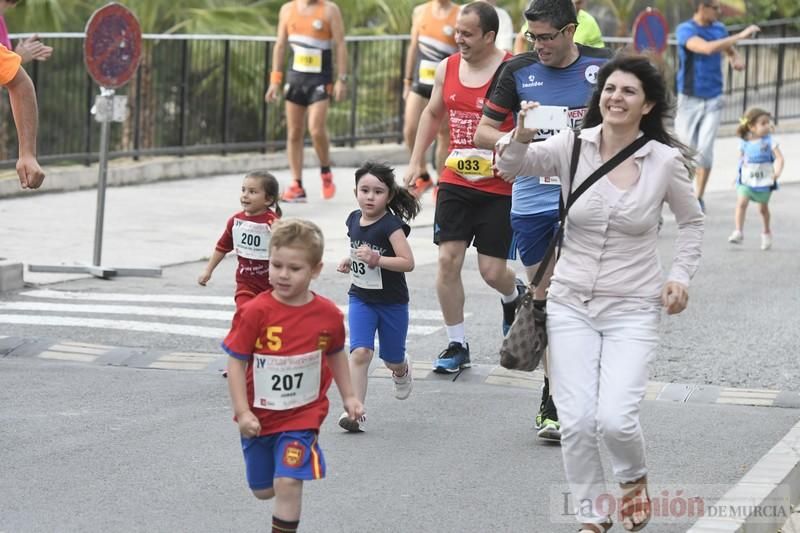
(361, 275)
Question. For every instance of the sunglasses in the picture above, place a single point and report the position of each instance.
(546, 37)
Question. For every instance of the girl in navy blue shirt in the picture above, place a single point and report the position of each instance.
(379, 257)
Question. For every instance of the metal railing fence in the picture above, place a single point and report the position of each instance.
(201, 94)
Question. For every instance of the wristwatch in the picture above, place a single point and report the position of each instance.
(342, 78)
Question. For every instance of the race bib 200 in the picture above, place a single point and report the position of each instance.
(251, 239)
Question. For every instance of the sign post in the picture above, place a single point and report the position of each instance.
(112, 48)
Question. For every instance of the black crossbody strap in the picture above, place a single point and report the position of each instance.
(573, 167)
(604, 169)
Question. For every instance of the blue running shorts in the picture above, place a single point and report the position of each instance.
(292, 454)
(532, 235)
(389, 320)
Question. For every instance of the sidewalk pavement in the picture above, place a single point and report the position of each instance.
(179, 221)
(171, 222)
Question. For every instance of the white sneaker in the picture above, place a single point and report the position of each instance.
(766, 241)
(353, 426)
(736, 237)
(403, 384)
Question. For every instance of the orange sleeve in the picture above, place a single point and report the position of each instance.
(9, 65)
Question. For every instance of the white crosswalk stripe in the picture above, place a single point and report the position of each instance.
(174, 314)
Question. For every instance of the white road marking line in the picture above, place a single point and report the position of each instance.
(183, 361)
(136, 310)
(130, 325)
(188, 357)
(86, 345)
(415, 314)
(80, 304)
(65, 348)
(183, 365)
(125, 297)
(414, 329)
(61, 356)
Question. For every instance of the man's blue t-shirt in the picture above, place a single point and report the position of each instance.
(699, 75)
(524, 78)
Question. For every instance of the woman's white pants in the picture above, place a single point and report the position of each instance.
(598, 377)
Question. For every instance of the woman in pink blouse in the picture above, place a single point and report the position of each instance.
(608, 289)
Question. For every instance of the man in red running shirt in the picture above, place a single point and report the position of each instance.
(473, 204)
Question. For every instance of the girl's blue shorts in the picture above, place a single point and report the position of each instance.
(389, 320)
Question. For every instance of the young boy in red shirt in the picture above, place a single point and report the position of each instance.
(285, 346)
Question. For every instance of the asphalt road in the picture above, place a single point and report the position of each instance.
(91, 448)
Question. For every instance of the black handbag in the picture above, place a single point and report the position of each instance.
(525, 343)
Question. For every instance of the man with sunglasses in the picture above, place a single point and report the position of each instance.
(701, 42)
(588, 32)
(557, 72)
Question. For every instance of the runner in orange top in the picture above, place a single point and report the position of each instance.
(25, 111)
(315, 31)
(432, 40)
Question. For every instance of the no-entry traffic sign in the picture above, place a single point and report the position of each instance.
(112, 46)
(650, 31)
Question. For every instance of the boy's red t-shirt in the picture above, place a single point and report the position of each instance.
(267, 327)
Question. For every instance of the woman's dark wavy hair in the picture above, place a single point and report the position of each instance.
(655, 91)
(401, 202)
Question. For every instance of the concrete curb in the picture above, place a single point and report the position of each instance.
(128, 172)
(765, 494)
(10, 276)
(488, 374)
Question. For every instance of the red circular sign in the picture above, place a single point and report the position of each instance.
(650, 31)
(112, 46)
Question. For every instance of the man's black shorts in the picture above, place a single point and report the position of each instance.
(306, 94)
(421, 89)
(481, 218)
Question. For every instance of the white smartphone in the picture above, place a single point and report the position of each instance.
(547, 117)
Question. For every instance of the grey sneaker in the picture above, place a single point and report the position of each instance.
(403, 384)
(353, 426)
(736, 237)
(766, 241)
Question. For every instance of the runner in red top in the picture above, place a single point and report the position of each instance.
(473, 205)
(284, 347)
(248, 234)
(467, 165)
